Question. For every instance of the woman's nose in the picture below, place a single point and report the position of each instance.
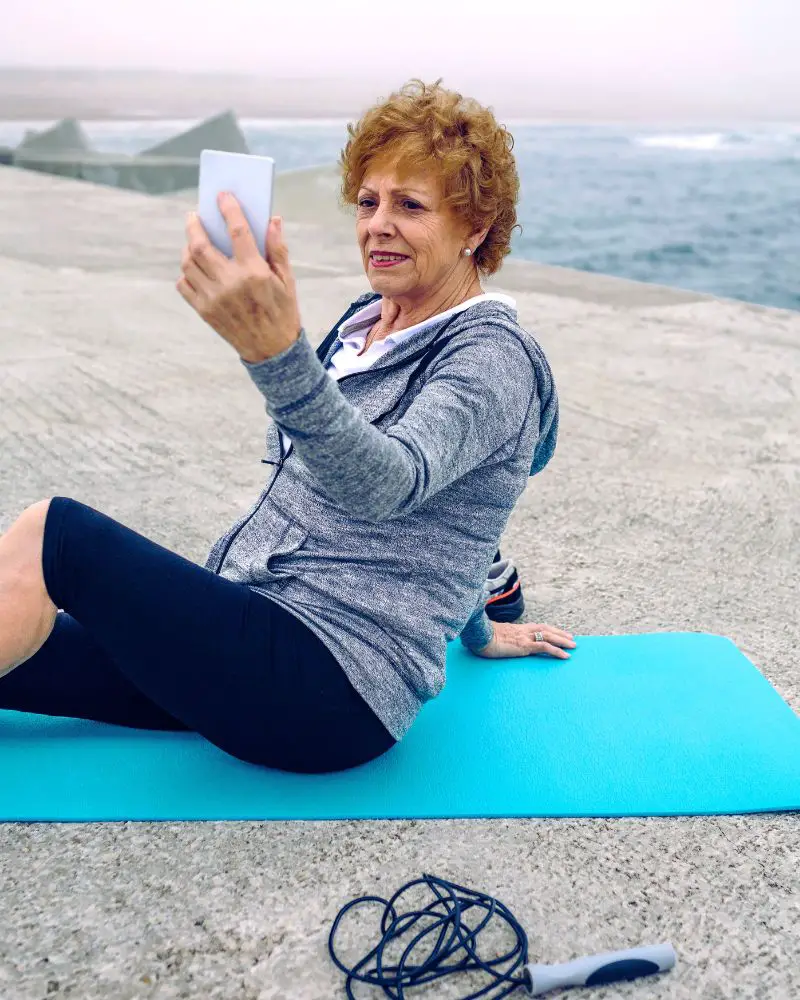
(380, 222)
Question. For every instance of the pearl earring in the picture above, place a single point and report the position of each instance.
(467, 252)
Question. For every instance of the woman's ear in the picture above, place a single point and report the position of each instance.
(478, 237)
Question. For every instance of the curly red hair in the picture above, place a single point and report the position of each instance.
(423, 123)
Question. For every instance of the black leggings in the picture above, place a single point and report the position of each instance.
(151, 640)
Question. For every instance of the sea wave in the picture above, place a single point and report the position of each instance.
(709, 140)
(713, 141)
(695, 205)
(671, 253)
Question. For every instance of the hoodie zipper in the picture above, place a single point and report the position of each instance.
(326, 344)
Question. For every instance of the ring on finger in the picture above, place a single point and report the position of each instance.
(538, 637)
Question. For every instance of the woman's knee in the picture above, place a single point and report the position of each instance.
(36, 514)
(27, 531)
(21, 547)
(28, 527)
(32, 520)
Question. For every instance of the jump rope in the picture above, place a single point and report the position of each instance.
(535, 979)
(446, 914)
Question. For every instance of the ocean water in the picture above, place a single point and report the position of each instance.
(699, 207)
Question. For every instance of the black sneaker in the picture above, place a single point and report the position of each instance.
(503, 592)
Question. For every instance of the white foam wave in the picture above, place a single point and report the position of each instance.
(294, 123)
(762, 139)
(708, 140)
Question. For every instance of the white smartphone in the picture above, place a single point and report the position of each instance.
(249, 179)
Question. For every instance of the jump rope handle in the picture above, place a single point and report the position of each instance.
(597, 970)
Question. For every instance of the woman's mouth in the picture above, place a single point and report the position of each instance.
(386, 259)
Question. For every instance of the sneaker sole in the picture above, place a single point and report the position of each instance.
(507, 612)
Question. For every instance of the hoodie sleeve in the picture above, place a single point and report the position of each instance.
(479, 631)
(476, 398)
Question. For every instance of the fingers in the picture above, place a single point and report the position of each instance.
(277, 251)
(551, 650)
(242, 239)
(187, 290)
(559, 640)
(193, 272)
(554, 638)
(200, 249)
(544, 627)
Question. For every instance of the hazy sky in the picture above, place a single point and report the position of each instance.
(658, 48)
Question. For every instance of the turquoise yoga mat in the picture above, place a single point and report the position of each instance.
(659, 724)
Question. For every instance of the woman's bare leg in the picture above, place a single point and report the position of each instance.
(27, 614)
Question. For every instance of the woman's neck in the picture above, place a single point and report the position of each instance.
(400, 314)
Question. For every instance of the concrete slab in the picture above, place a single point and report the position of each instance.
(65, 136)
(149, 174)
(671, 503)
(100, 213)
(220, 131)
(172, 165)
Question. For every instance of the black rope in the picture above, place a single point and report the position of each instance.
(405, 975)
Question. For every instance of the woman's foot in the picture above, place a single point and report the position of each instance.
(503, 591)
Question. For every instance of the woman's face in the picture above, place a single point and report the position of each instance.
(407, 221)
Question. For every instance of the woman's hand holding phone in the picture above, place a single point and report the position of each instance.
(248, 300)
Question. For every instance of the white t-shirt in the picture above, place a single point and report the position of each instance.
(353, 335)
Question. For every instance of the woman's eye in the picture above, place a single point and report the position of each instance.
(370, 202)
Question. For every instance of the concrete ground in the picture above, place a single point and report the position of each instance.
(671, 503)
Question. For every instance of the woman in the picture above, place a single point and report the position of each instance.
(318, 627)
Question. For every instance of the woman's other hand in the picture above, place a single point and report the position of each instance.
(512, 639)
(250, 302)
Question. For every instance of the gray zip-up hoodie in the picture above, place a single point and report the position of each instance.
(378, 528)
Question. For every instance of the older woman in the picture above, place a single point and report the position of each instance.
(318, 626)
